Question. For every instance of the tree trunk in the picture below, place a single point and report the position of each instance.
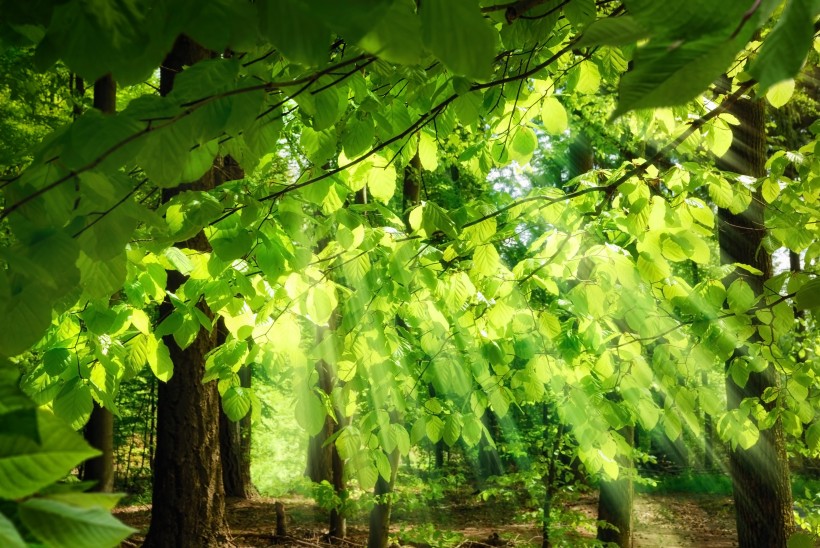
(708, 433)
(550, 479)
(188, 496)
(581, 156)
(380, 515)
(234, 446)
(319, 466)
(489, 461)
(615, 499)
(99, 432)
(760, 475)
(411, 189)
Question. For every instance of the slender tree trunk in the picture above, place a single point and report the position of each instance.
(188, 497)
(760, 475)
(489, 461)
(380, 515)
(234, 446)
(99, 432)
(615, 500)
(708, 433)
(550, 479)
(234, 449)
(411, 189)
(581, 156)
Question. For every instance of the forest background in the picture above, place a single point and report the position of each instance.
(558, 239)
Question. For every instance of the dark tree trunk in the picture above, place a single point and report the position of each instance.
(324, 461)
(188, 497)
(615, 500)
(99, 432)
(550, 479)
(411, 189)
(380, 515)
(760, 475)
(489, 461)
(235, 447)
(581, 156)
(708, 433)
(319, 459)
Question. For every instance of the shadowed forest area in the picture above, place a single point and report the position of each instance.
(428, 273)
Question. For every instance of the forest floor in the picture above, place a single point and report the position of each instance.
(661, 520)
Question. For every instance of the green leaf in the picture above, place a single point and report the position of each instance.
(554, 116)
(380, 177)
(329, 105)
(471, 430)
(452, 429)
(432, 218)
(310, 413)
(813, 437)
(486, 260)
(672, 73)
(57, 360)
(382, 464)
(159, 358)
(102, 278)
(358, 136)
(74, 403)
(785, 49)
(319, 146)
(456, 33)
(428, 151)
(613, 31)
(402, 438)
(801, 540)
(770, 190)
(397, 37)
(292, 26)
(468, 107)
(367, 473)
(580, 12)
(523, 145)
(9, 536)
(808, 296)
(236, 401)
(721, 192)
(58, 524)
(434, 427)
(27, 466)
(780, 93)
(106, 501)
(740, 297)
(585, 78)
(320, 304)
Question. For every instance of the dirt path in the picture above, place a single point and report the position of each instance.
(661, 521)
(684, 521)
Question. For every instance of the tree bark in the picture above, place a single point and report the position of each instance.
(489, 461)
(235, 447)
(615, 500)
(760, 475)
(188, 497)
(581, 156)
(411, 188)
(550, 479)
(380, 515)
(99, 432)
